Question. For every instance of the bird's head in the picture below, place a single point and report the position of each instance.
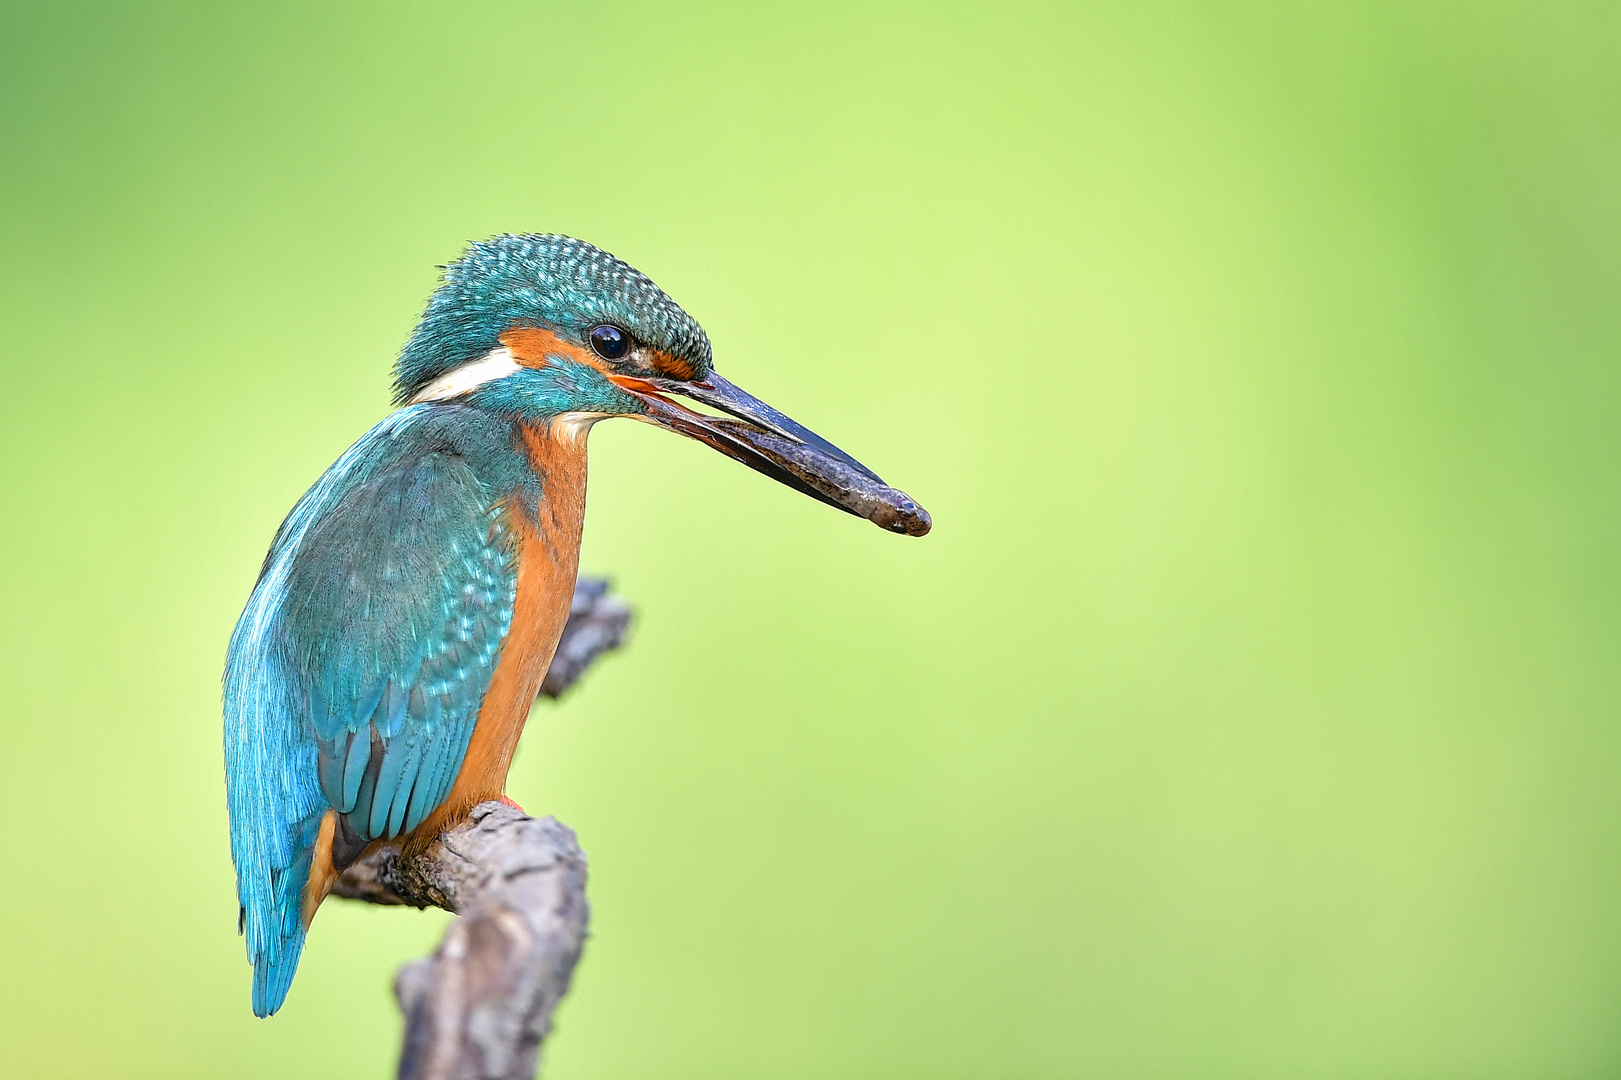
(552, 330)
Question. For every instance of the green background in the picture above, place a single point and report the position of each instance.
(1251, 712)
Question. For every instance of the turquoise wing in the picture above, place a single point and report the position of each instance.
(356, 673)
(397, 606)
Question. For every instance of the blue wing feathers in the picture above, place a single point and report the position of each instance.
(354, 769)
(368, 705)
(394, 719)
(356, 672)
(329, 764)
(368, 785)
(393, 784)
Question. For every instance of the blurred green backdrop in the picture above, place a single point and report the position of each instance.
(1252, 710)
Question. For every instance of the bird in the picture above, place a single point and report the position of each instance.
(384, 665)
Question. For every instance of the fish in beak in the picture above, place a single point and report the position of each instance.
(769, 442)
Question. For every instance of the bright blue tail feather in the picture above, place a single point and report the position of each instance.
(273, 978)
(280, 942)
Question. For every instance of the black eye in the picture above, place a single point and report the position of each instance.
(610, 342)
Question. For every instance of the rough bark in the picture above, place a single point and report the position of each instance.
(479, 1007)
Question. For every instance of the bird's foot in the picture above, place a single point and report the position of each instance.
(508, 802)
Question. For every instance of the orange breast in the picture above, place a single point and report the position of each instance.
(548, 544)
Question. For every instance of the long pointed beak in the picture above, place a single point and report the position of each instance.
(769, 442)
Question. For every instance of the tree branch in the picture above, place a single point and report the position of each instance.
(597, 622)
(478, 1008)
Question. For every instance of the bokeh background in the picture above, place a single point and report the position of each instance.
(1251, 712)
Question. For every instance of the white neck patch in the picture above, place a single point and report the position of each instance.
(496, 364)
(573, 427)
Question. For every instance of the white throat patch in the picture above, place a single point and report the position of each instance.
(496, 364)
(573, 427)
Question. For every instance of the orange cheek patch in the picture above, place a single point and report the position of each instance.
(530, 346)
(673, 367)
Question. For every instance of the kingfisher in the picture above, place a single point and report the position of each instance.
(382, 671)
